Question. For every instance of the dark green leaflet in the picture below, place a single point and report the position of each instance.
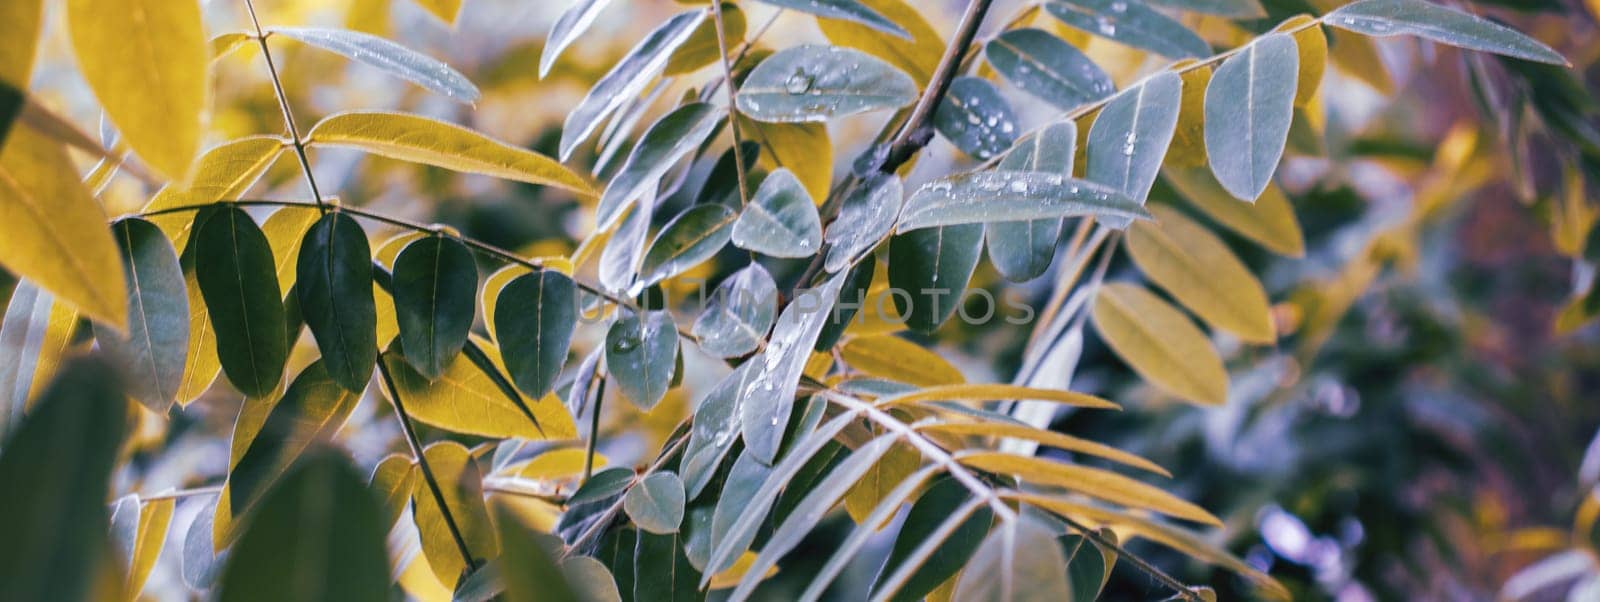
(55, 475)
(868, 213)
(1022, 250)
(627, 78)
(158, 315)
(692, 237)
(527, 564)
(334, 288)
(640, 352)
(668, 139)
(398, 60)
(976, 118)
(738, 314)
(1129, 139)
(781, 221)
(1440, 24)
(715, 431)
(601, 485)
(239, 282)
(318, 536)
(932, 266)
(534, 317)
(655, 503)
(941, 500)
(11, 101)
(311, 410)
(435, 281)
(852, 299)
(661, 570)
(1047, 67)
(1005, 196)
(848, 10)
(1131, 23)
(817, 82)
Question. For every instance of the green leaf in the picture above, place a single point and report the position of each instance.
(1129, 138)
(1023, 250)
(1197, 268)
(714, 431)
(1236, 9)
(534, 317)
(781, 221)
(435, 279)
(428, 141)
(736, 497)
(976, 118)
(852, 297)
(661, 570)
(149, 73)
(1270, 221)
(932, 266)
(1249, 106)
(1160, 343)
(627, 78)
(157, 341)
(1020, 560)
(1131, 23)
(640, 352)
(813, 82)
(319, 535)
(55, 475)
(461, 485)
(393, 58)
(566, 30)
(528, 563)
(466, 399)
(866, 216)
(738, 314)
(668, 140)
(238, 278)
(692, 237)
(1045, 66)
(810, 510)
(847, 10)
(335, 292)
(1440, 24)
(655, 504)
(11, 101)
(619, 261)
(1088, 565)
(1005, 196)
(311, 411)
(56, 233)
(766, 398)
(602, 485)
(935, 518)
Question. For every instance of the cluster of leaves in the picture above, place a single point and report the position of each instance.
(821, 408)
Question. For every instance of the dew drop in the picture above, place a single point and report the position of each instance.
(798, 83)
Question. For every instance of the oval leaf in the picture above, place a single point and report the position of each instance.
(766, 396)
(817, 83)
(335, 291)
(434, 281)
(465, 399)
(534, 317)
(1270, 221)
(667, 141)
(627, 78)
(692, 237)
(238, 277)
(1197, 268)
(427, 141)
(656, 503)
(155, 348)
(847, 10)
(976, 118)
(1249, 105)
(781, 221)
(1129, 138)
(1047, 67)
(1020, 560)
(1131, 23)
(1440, 24)
(918, 56)
(1022, 250)
(738, 314)
(398, 60)
(148, 72)
(640, 352)
(1160, 343)
(566, 30)
(311, 411)
(930, 267)
(1003, 196)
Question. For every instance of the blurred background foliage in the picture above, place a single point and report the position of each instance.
(1424, 430)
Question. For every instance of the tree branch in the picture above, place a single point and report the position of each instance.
(283, 104)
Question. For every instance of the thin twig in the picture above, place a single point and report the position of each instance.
(733, 104)
(918, 129)
(283, 104)
(422, 462)
(594, 427)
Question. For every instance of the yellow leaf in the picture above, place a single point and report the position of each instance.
(1197, 268)
(56, 234)
(895, 466)
(891, 357)
(1172, 537)
(393, 479)
(1188, 139)
(19, 37)
(992, 392)
(1093, 482)
(1358, 57)
(445, 10)
(1269, 221)
(1160, 343)
(59, 328)
(200, 365)
(555, 464)
(701, 48)
(146, 61)
(734, 574)
(222, 173)
(918, 57)
(431, 142)
(465, 400)
(154, 518)
(803, 148)
(1050, 438)
(418, 582)
(461, 485)
(1313, 46)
